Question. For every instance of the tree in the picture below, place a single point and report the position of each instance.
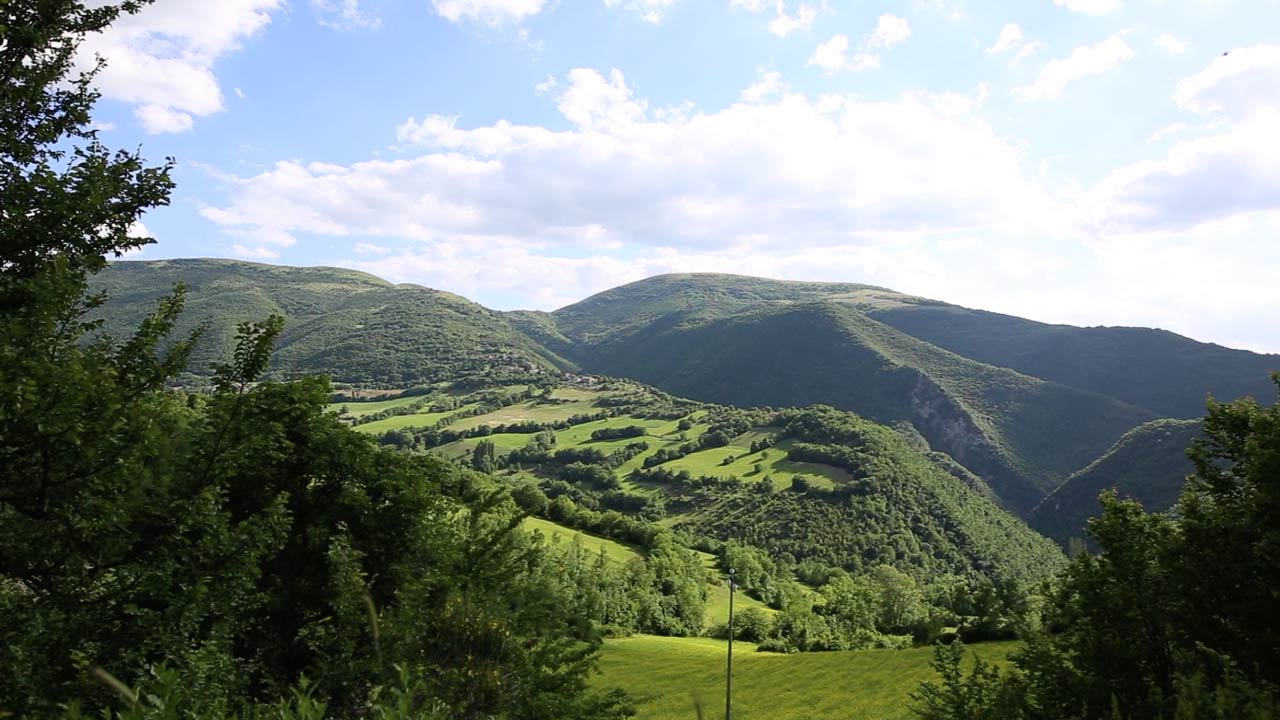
(222, 543)
(484, 457)
(899, 600)
(1176, 616)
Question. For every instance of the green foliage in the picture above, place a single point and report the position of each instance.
(900, 509)
(353, 326)
(1165, 373)
(1176, 617)
(668, 676)
(748, 341)
(983, 695)
(221, 547)
(1148, 464)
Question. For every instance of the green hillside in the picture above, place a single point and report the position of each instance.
(605, 318)
(1017, 405)
(669, 677)
(1022, 435)
(867, 495)
(1154, 369)
(1149, 464)
(353, 326)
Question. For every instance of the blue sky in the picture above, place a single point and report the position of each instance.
(1096, 162)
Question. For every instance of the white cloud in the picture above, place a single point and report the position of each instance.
(158, 119)
(1172, 43)
(546, 86)
(783, 23)
(365, 248)
(1090, 7)
(255, 252)
(488, 12)
(1167, 131)
(162, 58)
(1230, 175)
(833, 169)
(345, 15)
(890, 30)
(1235, 85)
(1083, 62)
(769, 84)
(1013, 40)
(833, 55)
(649, 10)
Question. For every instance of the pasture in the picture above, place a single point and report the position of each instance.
(667, 676)
(561, 536)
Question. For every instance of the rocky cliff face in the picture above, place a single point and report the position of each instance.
(952, 429)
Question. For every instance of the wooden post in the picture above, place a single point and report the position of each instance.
(728, 685)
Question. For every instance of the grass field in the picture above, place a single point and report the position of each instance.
(368, 407)
(665, 675)
(554, 533)
(400, 422)
(717, 611)
(772, 462)
(530, 410)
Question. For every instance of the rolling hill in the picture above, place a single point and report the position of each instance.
(776, 343)
(1020, 406)
(354, 326)
(868, 496)
(1160, 371)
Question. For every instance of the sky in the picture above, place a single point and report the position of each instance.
(1092, 162)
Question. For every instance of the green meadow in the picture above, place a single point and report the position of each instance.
(670, 676)
(737, 460)
(401, 422)
(563, 536)
(361, 408)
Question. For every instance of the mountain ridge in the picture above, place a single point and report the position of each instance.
(965, 381)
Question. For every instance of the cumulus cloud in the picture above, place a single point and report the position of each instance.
(492, 13)
(649, 10)
(162, 58)
(1012, 40)
(1236, 85)
(833, 55)
(772, 167)
(769, 84)
(784, 22)
(1167, 131)
(1230, 174)
(345, 15)
(1172, 43)
(1090, 7)
(254, 252)
(1083, 62)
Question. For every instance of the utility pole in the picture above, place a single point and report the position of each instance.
(728, 685)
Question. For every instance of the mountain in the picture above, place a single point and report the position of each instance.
(1165, 373)
(747, 341)
(354, 326)
(1019, 405)
(1148, 464)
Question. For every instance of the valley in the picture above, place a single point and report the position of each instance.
(235, 490)
(1020, 406)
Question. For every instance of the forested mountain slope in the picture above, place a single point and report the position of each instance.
(1021, 404)
(1148, 464)
(814, 484)
(1161, 371)
(351, 325)
(776, 343)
